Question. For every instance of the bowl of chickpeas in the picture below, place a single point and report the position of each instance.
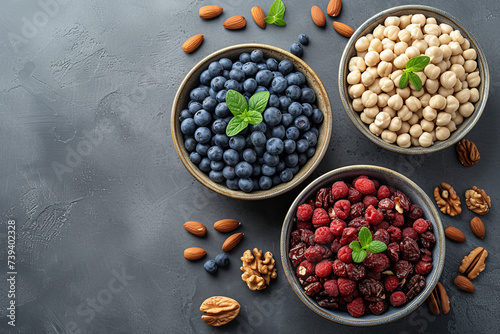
(455, 82)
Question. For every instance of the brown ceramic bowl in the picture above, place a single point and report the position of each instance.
(192, 81)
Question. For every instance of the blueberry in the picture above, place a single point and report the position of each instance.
(228, 172)
(231, 157)
(190, 144)
(286, 175)
(225, 74)
(226, 63)
(237, 142)
(202, 134)
(302, 123)
(285, 66)
(243, 169)
(281, 166)
(302, 145)
(286, 119)
(278, 74)
(295, 109)
(257, 170)
(205, 77)
(184, 115)
(303, 39)
(204, 88)
(237, 65)
(301, 77)
(217, 83)
(209, 103)
(250, 69)
(294, 79)
(289, 145)
(198, 94)
(221, 140)
(317, 116)
(276, 180)
(216, 176)
(315, 131)
(249, 85)
(285, 102)
(249, 155)
(274, 101)
(210, 266)
(293, 92)
(292, 133)
(257, 55)
(261, 89)
(255, 184)
(278, 132)
(308, 95)
(215, 69)
(279, 85)
(217, 165)
(202, 118)
(232, 84)
(214, 153)
(262, 66)
(204, 165)
(212, 93)
(297, 49)
(246, 185)
(291, 160)
(302, 159)
(264, 77)
(258, 138)
(233, 183)
(194, 106)
(222, 110)
(268, 170)
(221, 96)
(202, 149)
(271, 160)
(272, 116)
(222, 260)
(245, 58)
(311, 138)
(258, 127)
(310, 152)
(307, 109)
(265, 182)
(188, 126)
(237, 75)
(260, 150)
(219, 126)
(272, 64)
(195, 157)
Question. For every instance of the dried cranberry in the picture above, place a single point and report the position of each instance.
(339, 268)
(354, 195)
(386, 204)
(309, 280)
(378, 307)
(414, 286)
(304, 225)
(356, 271)
(339, 190)
(383, 192)
(323, 268)
(395, 233)
(296, 254)
(398, 298)
(295, 238)
(423, 268)
(391, 283)
(376, 262)
(350, 297)
(307, 236)
(337, 226)
(409, 249)
(312, 288)
(403, 268)
(323, 235)
(305, 268)
(426, 258)
(320, 217)
(420, 225)
(327, 253)
(373, 216)
(358, 223)
(345, 254)
(329, 303)
(371, 289)
(349, 234)
(320, 196)
(365, 186)
(393, 251)
(383, 236)
(304, 212)
(346, 286)
(370, 200)
(314, 253)
(356, 210)
(410, 233)
(415, 212)
(374, 275)
(398, 219)
(404, 202)
(356, 308)
(427, 239)
(382, 226)
(332, 287)
(336, 245)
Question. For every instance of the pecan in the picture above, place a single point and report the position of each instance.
(447, 200)
(438, 300)
(467, 152)
(320, 197)
(257, 273)
(473, 263)
(219, 310)
(477, 200)
(414, 286)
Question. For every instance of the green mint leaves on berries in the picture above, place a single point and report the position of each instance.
(365, 243)
(276, 13)
(244, 113)
(413, 65)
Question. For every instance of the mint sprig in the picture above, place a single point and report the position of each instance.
(416, 64)
(365, 243)
(244, 113)
(276, 13)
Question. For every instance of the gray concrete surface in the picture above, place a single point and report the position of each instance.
(89, 174)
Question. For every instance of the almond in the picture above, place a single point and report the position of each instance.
(334, 7)
(209, 12)
(259, 16)
(318, 16)
(232, 241)
(192, 43)
(343, 29)
(194, 253)
(454, 234)
(464, 283)
(226, 225)
(477, 226)
(195, 228)
(235, 22)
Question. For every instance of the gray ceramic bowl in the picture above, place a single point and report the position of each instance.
(416, 196)
(442, 17)
(192, 80)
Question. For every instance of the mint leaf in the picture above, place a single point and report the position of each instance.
(276, 13)
(236, 102)
(358, 256)
(403, 81)
(415, 80)
(280, 22)
(377, 246)
(417, 64)
(355, 246)
(365, 237)
(258, 101)
(235, 126)
(253, 117)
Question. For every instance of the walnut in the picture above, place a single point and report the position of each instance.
(257, 273)
(477, 200)
(447, 200)
(467, 152)
(219, 310)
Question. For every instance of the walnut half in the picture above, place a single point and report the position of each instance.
(258, 272)
(468, 153)
(477, 200)
(447, 200)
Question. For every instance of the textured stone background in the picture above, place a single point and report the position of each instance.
(105, 73)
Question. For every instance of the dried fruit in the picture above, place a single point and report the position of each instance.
(334, 7)
(447, 200)
(235, 22)
(195, 228)
(318, 16)
(232, 241)
(258, 272)
(343, 29)
(468, 153)
(464, 284)
(192, 43)
(438, 300)
(194, 253)
(226, 225)
(477, 226)
(259, 16)
(209, 12)
(477, 200)
(454, 234)
(473, 264)
(219, 310)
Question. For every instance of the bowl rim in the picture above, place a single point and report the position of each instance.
(359, 322)
(280, 189)
(468, 123)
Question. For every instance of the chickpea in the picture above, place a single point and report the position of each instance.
(448, 79)
(400, 48)
(469, 54)
(390, 111)
(446, 51)
(435, 53)
(444, 39)
(458, 69)
(382, 100)
(405, 113)
(432, 40)
(371, 112)
(375, 87)
(361, 54)
(452, 104)
(403, 140)
(413, 103)
(413, 119)
(456, 49)
(416, 130)
(405, 21)
(458, 119)
(387, 55)
(384, 69)
(372, 58)
(426, 125)
(415, 32)
(365, 119)
(432, 71)
(442, 133)
(389, 136)
(404, 36)
(392, 21)
(388, 44)
(354, 77)
(445, 28)
(370, 37)
(474, 95)
(443, 118)
(451, 126)
(437, 102)
(376, 45)
(443, 66)
(425, 139)
(353, 64)
(465, 45)
(367, 78)
(405, 127)
(416, 93)
(466, 109)
(445, 92)
(369, 98)
(414, 142)
(458, 59)
(470, 66)
(424, 99)
(401, 60)
(391, 32)
(429, 113)
(362, 44)
(463, 95)
(419, 113)
(456, 36)
(419, 19)
(421, 45)
(457, 87)
(373, 71)
(395, 75)
(357, 104)
(433, 134)
(395, 124)
(356, 90)
(382, 120)
(403, 92)
(378, 32)
(432, 29)
(431, 20)
(376, 130)
(473, 79)
(465, 85)
(395, 102)
(386, 84)
(431, 86)
(412, 52)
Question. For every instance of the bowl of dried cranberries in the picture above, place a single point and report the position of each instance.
(362, 245)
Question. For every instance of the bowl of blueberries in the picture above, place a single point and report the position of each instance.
(251, 121)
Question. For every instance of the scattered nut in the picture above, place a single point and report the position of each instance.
(454, 234)
(447, 200)
(219, 310)
(468, 153)
(438, 300)
(194, 253)
(232, 241)
(195, 228)
(257, 273)
(464, 284)
(226, 225)
(477, 200)
(477, 226)
(473, 263)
